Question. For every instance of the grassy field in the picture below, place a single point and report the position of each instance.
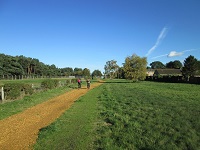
(124, 115)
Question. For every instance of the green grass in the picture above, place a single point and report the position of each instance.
(149, 115)
(14, 107)
(122, 115)
(75, 128)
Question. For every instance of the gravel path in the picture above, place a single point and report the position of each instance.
(20, 131)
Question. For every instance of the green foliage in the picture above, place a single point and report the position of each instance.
(86, 72)
(190, 67)
(157, 65)
(50, 84)
(111, 68)
(174, 64)
(135, 68)
(17, 90)
(67, 71)
(96, 73)
(78, 71)
(26, 66)
(73, 80)
(8, 109)
(12, 91)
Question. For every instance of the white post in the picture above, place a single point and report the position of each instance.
(2, 93)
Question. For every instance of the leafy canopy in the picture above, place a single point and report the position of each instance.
(135, 67)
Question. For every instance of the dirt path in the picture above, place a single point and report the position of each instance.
(20, 131)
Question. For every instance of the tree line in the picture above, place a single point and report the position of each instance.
(26, 66)
(135, 67)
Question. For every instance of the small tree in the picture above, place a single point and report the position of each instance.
(96, 73)
(135, 68)
(111, 68)
(190, 67)
(86, 72)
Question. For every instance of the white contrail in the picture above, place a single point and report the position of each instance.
(159, 56)
(160, 38)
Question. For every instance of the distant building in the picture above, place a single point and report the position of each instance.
(150, 72)
(167, 72)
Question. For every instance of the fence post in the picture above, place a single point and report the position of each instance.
(2, 94)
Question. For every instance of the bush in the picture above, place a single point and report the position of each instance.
(73, 80)
(27, 88)
(17, 90)
(68, 81)
(49, 84)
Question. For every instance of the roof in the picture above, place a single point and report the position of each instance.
(168, 72)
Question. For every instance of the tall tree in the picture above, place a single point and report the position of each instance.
(190, 67)
(86, 72)
(78, 71)
(157, 65)
(135, 67)
(67, 71)
(96, 73)
(174, 64)
(111, 68)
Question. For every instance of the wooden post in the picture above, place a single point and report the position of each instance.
(2, 94)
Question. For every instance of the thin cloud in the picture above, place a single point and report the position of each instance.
(174, 53)
(159, 40)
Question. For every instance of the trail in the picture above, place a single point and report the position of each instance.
(20, 131)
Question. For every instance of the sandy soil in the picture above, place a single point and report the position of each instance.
(20, 131)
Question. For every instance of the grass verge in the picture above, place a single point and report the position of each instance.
(75, 128)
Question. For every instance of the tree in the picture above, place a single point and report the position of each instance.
(135, 67)
(157, 65)
(67, 71)
(96, 73)
(86, 72)
(111, 68)
(198, 67)
(78, 71)
(121, 74)
(174, 64)
(190, 67)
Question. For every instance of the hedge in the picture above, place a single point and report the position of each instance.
(17, 90)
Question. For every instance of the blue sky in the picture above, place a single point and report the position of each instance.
(88, 33)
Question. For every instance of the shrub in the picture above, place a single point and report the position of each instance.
(73, 80)
(16, 90)
(27, 88)
(49, 84)
(68, 81)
